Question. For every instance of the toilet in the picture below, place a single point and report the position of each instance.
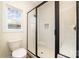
(16, 49)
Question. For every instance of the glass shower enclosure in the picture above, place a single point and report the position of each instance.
(68, 28)
(31, 31)
(53, 29)
(46, 27)
(41, 27)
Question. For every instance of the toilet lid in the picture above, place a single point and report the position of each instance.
(21, 52)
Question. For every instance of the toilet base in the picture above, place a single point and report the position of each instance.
(19, 53)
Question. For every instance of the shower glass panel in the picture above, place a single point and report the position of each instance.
(31, 30)
(46, 27)
(68, 28)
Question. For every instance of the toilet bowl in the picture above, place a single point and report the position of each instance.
(16, 49)
(19, 53)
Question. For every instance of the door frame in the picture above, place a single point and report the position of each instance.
(77, 30)
(56, 28)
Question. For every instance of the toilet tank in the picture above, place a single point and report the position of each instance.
(14, 44)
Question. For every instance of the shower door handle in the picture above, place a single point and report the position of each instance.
(75, 28)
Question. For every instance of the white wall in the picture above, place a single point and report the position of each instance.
(25, 6)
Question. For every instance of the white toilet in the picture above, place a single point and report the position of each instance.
(16, 49)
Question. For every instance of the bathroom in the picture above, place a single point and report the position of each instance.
(39, 29)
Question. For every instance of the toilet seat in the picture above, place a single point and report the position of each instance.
(19, 53)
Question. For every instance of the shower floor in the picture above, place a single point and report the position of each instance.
(45, 52)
